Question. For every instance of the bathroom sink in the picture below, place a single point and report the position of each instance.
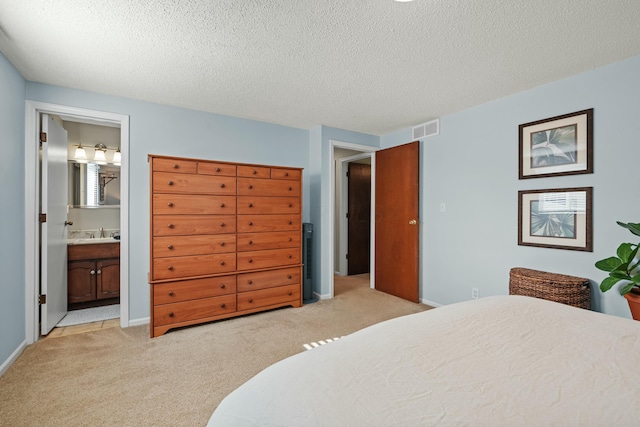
(90, 241)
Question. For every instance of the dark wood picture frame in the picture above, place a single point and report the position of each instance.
(558, 218)
(561, 145)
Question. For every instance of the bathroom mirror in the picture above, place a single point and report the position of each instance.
(94, 185)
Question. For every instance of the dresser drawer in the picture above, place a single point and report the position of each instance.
(268, 187)
(169, 182)
(267, 297)
(254, 171)
(220, 169)
(187, 204)
(191, 310)
(260, 223)
(268, 279)
(268, 205)
(167, 293)
(265, 259)
(174, 225)
(193, 245)
(174, 165)
(293, 174)
(190, 266)
(273, 240)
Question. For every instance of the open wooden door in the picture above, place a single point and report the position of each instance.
(359, 218)
(397, 223)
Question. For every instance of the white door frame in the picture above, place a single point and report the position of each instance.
(365, 149)
(343, 223)
(31, 191)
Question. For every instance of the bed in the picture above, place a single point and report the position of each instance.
(496, 361)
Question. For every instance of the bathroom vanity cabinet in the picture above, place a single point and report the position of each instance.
(93, 273)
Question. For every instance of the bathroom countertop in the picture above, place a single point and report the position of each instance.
(94, 241)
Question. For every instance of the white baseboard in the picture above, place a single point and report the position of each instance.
(141, 321)
(18, 351)
(431, 303)
(325, 296)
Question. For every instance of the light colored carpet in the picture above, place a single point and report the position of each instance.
(89, 315)
(121, 377)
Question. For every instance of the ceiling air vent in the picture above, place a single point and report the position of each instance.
(427, 129)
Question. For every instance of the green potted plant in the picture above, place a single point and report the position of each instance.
(624, 268)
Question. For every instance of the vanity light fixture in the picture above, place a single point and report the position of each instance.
(117, 156)
(80, 153)
(99, 155)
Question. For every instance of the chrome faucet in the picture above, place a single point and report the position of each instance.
(90, 234)
(102, 232)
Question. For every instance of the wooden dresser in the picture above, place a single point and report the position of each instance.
(225, 240)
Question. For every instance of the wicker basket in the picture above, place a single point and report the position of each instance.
(569, 290)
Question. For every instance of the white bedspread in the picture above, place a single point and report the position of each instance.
(498, 361)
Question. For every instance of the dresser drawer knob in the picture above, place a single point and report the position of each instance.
(222, 244)
(170, 247)
(223, 286)
(170, 268)
(250, 300)
(251, 224)
(286, 174)
(290, 188)
(170, 204)
(290, 239)
(250, 282)
(290, 205)
(176, 166)
(255, 172)
(223, 263)
(222, 205)
(170, 225)
(290, 293)
(250, 261)
(170, 182)
(290, 256)
(171, 314)
(222, 185)
(223, 305)
(290, 222)
(250, 205)
(251, 187)
(217, 169)
(289, 277)
(251, 242)
(171, 293)
(222, 224)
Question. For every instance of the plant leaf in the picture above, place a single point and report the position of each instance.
(620, 275)
(626, 252)
(608, 264)
(626, 288)
(608, 283)
(633, 227)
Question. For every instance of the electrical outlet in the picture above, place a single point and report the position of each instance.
(474, 293)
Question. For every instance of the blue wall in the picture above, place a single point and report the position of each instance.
(12, 249)
(472, 166)
(164, 130)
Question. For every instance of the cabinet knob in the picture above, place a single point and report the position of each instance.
(170, 247)
(290, 188)
(250, 282)
(250, 261)
(290, 222)
(250, 224)
(222, 244)
(251, 187)
(251, 242)
(290, 256)
(250, 300)
(290, 205)
(99, 271)
(170, 268)
(217, 169)
(250, 205)
(222, 185)
(286, 174)
(170, 225)
(170, 182)
(289, 277)
(222, 263)
(223, 286)
(223, 305)
(170, 204)
(290, 293)
(171, 314)
(171, 293)
(176, 166)
(222, 224)
(222, 205)
(255, 172)
(92, 272)
(290, 239)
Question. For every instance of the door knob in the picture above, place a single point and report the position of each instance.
(413, 222)
(68, 223)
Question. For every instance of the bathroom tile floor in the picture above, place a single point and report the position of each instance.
(87, 327)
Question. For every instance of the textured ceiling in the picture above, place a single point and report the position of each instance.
(373, 66)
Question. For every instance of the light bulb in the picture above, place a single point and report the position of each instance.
(80, 153)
